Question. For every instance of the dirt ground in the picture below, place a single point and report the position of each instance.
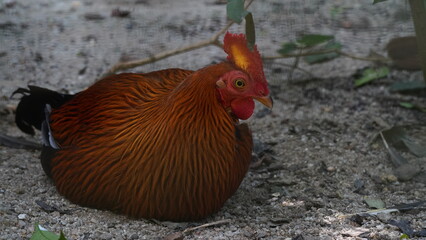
(316, 154)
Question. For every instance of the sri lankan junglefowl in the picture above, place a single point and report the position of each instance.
(166, 145)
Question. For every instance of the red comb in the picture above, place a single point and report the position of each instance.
(235, 45)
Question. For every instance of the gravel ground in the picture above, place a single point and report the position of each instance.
(317, 159)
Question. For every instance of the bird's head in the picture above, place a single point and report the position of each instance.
(237, 88)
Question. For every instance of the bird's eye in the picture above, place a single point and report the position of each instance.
(239, 83)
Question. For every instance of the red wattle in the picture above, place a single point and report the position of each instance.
(242, 108)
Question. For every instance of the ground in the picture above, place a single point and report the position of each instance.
(317, 157)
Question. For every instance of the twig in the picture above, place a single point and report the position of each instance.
(372, 59)
(295, 65)
(297, 68)
(181, 235)
(214, 40)
(220, 222)
(131, 64)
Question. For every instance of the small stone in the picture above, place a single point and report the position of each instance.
(389, 178)
(276, 194)
(22, 216)
(93, 16)
(134, 236)
(106, 236)
(384, 217)
(331, 169)
(55, 214)
(22, 224)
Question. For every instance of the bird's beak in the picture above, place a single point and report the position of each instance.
(267, 101)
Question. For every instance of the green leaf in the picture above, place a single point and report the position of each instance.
(412, 106)
(250, 31)
(311, 40)
(62, 236)
(371, 74)
(404, 236)
(378, 1)
(374, 203)
(324, 56)
(406, 105)
(408, 86)
(235, 10)
(42, 234)
(287, 48)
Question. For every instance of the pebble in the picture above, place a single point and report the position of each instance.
(134, 236)
(389, 178)
(106, 236)
(22, 216)
(384, 217)
(331, 169)
(22, 223)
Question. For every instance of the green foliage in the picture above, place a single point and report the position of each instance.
(310, 41)
(317, 58)
(305, 42)
(374, 203)
(404, 236)
(408, 86)
(287, 48)
(412, 106)
(42, 234)
(371, 74)
(235, 10)
(250, 31)
(378, 1)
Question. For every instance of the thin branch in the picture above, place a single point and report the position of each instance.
(214, 40)
(295, 65)
(297, 68)
(181, 235)
(131, 64)
(371, 59)
(220, 222)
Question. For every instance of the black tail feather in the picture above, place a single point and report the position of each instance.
(30, 112)
(33, 112)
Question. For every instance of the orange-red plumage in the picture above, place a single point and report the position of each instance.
(165, 145)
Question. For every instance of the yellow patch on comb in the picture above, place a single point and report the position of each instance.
(240, 58)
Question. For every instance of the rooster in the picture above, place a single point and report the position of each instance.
(166, 145)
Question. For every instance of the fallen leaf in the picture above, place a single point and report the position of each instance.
(374, 203)
(404, 226)
(371, 74)
(41, 233)
(408, 86)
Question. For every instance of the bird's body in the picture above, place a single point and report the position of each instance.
(164, 145)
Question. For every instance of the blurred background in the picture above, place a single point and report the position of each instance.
(68, 44)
